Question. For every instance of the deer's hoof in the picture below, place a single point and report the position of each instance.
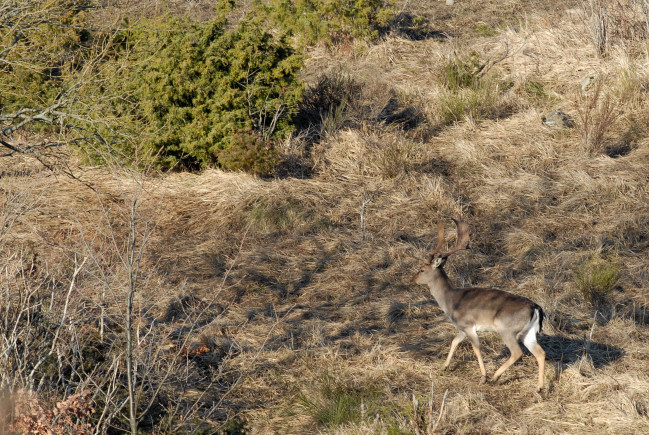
(483, 380)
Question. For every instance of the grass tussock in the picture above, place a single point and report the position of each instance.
(331, 404)
(596, 278)
(472, 90)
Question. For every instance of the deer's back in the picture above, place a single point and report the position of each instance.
(491, 309)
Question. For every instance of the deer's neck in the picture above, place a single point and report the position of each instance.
(442, 290)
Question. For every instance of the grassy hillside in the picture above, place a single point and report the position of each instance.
(285, 305)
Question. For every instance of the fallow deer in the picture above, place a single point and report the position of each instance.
(482, 309)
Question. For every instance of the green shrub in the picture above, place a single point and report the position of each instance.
(310, 21)
(205, 93)
(250, 153)
(40, 49)
(235, 426)
(596, 278)
(453, 108)
(52, 56)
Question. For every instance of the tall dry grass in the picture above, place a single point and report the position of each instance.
(286, 306)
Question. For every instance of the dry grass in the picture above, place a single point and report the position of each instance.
(294, 312)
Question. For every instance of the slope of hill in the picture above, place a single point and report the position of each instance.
(286, 306)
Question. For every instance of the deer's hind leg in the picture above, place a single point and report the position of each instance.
(533, 346)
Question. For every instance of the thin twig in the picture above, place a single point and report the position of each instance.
(60, 326)
(441, 411)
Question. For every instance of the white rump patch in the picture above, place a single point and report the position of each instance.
(532, 328)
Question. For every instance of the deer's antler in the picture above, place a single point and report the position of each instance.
(463, 235)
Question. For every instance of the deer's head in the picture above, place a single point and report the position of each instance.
(437, 258)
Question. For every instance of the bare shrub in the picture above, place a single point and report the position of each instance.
(598, 113)
(614, 20)
(596, 13)
(628, 20)
(327, 104)
(79, 312)
(644, 6)
(422, 420)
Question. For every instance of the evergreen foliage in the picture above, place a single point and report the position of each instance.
(190, 94)
(45, 46)
(310, 21)
(208, 94)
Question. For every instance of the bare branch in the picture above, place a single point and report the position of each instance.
(492, 61)
(77, 269)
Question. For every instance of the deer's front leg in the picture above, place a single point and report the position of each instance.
(457, 340)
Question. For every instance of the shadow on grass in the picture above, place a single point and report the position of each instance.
(416, 27)
(565, 350)
(559, 350)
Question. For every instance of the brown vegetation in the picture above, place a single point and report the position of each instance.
(263, 304)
